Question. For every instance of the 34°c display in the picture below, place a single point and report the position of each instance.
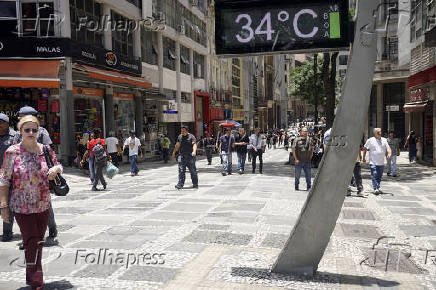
(243, 27)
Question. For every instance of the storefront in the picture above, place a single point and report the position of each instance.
(124, 114)
(88, 110)
(35, 83)
(202, 113)
(216, 114)
(421, 108)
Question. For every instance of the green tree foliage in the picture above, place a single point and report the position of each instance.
(302, 83)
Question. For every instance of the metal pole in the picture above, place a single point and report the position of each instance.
(311, 234)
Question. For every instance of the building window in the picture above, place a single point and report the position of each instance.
(169, 53)
(88, 10)
(8, 18)
(184, 60)
(198, 66)
(37, 18)
(195, 28)
(122, 40)
(149, 46)
(391, 48)
(343, 59)
(167, 8)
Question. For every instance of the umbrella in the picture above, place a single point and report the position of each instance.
(229, 123)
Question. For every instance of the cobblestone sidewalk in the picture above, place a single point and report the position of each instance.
(141, 233)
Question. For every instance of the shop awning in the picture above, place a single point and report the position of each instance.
(113, 76)
(414, 107)
(29, 73)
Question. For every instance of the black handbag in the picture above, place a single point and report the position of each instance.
(59, 185)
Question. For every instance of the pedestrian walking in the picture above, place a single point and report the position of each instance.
(303, 151)
(43, 137)
(286, 141)
(241, 143)
(227, 143)
(419, 148)
(411, 143)
(249, 149)
(394, 144)
(165, 142)
(88, 157)
(134, 146)
(208, 144)
(378, 148)
(113, 148)
(26, 171)
(186, 147)
(356, 179)
(258, 145)
(98, 156)
(6, 140)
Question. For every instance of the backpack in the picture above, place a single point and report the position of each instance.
(99, 152)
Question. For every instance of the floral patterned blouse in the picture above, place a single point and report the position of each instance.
(28, 174)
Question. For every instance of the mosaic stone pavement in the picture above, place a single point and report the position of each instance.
(141, 233)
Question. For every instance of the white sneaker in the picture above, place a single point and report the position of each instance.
(379, 191)
(376, 192)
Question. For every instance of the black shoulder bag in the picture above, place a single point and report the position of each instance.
(59, 185)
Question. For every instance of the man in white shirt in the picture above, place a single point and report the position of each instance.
(113, 147)
(377, 147)
(257, 144)
(134, 147)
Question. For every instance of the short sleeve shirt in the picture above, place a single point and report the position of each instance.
(27, 172)
(133, 144)
(226, 143)
(186, 144)
(112, 143)
(94, 142)
(242, 139)
(377, 150)
(303, 148)
(394, 144)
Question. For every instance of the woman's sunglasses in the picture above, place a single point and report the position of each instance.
(30, 130)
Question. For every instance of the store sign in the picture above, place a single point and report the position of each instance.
(88, 91)
(393, 108)
(101, 57)
(419, 95)
(124, 96)
(34, 47)
(275, 25)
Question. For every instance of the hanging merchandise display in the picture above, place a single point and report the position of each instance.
(88, 114)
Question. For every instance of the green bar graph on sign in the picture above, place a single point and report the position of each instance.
(335, 25)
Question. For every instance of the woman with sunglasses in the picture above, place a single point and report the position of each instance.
(25, 167)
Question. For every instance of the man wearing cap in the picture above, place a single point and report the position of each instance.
(43, 135)
(6, 140)
(134, 147)
(186, 146)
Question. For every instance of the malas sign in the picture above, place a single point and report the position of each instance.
(244, 27)
(250, 27)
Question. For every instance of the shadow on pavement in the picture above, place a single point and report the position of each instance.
(56, 285)
(321, 277)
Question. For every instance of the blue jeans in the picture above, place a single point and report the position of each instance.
(241, 161)
(91, 168)
(227, 162)
(187, 161)
(376, 175)
(392, 164)
(133, 167)
(412, 153)
(307, 167)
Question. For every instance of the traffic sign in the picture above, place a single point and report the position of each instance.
(266, 26)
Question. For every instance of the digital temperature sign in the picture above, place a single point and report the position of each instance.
(247, 27)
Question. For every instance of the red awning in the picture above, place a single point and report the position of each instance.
(114, 76)
(29, 73)
(414, 107)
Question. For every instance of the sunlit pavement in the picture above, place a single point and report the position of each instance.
(142, 233)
